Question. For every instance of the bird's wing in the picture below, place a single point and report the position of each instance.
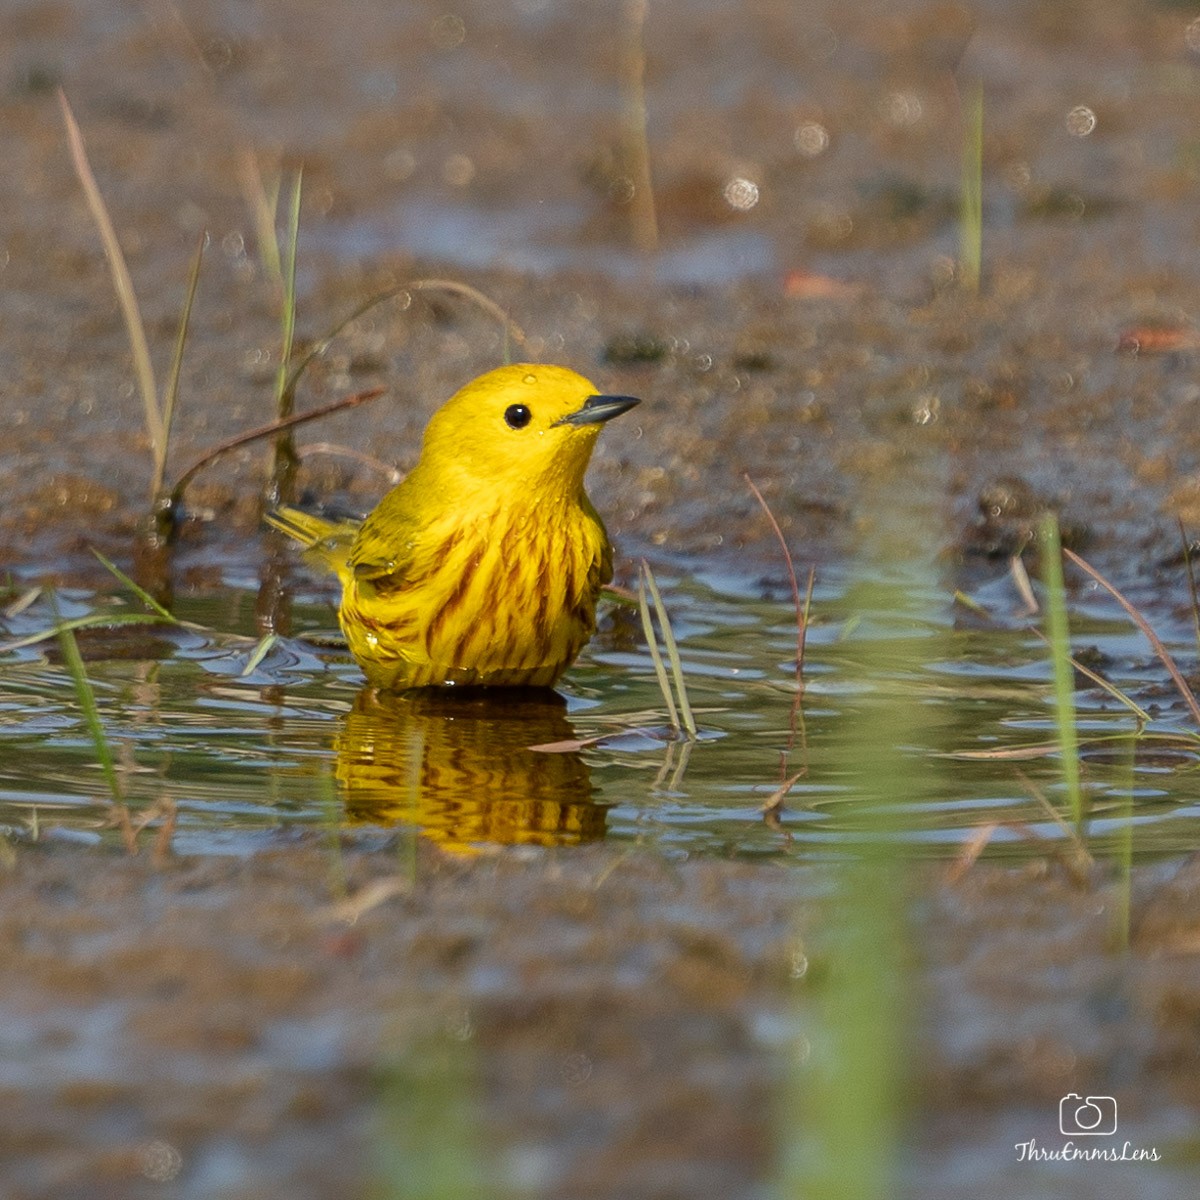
(326, 542)
(384, 546)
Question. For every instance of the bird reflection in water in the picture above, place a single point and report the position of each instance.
(458, 765)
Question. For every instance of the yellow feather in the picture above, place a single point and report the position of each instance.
(482, 568)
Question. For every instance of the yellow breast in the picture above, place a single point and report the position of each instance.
(503, 600)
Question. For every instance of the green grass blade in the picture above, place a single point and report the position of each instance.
(970, 230)
(1059, 635)
(122, 284)
(664, 621)
(1123, 911)
(86, 697)
(428, 1140)
(285, 396)
(660, 670)
(264, 205)
(140, 592)
(94, 621)
(259, 652)
(171, 395)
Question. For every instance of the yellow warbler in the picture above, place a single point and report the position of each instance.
(483, 566)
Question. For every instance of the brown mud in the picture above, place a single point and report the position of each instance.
(214, 1027)
(627, 1023)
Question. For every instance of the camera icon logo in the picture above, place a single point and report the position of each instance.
(1094, 1115)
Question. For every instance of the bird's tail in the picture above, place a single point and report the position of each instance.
(325, 542)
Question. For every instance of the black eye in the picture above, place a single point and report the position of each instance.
(517, 416)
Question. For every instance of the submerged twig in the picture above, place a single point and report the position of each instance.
(801, 609)
(774, 802)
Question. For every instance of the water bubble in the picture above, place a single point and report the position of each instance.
(799, 967)
(459, 1026)
(1019, 175)
(576, 1068)
(621, 189)
(160, 1161)
(811, 139)
(218, 55)
(530, 379)
(458, 170)
(447, 31)
(321, 200)
(1080, 121)
(400, 164)
(943, 271)
(741, 193)
(820, 41)
(926, 410)
(234, 244)
(1191, 36)
(902, 108)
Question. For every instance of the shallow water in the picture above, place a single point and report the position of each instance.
(296, 743)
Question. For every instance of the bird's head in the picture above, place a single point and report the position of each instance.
(529, 425)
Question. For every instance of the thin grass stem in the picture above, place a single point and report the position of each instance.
(264, 207)
(1164, 655)
(122, 285)
(664, 621)
(1191, 574)
(801, 608)
(86, 697)
(284, 396)
(1125, 847)
(971, 205)
(171, 395)
(660, 670)
(1111, 688)
(643, 211)
(93, 621)
(140, 592)
(1059, 635)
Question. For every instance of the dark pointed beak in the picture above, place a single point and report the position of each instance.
(598, 409)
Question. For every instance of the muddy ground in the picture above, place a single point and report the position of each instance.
(209, 1028)
(625, 1025)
